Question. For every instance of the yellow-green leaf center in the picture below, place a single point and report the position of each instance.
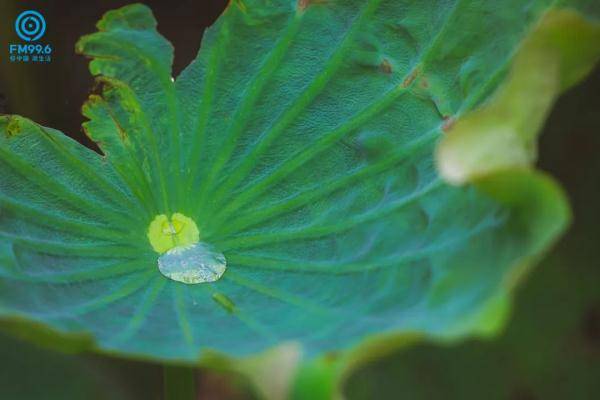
(165, 233)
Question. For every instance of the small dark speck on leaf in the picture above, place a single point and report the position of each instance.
(303, 4)
(448, 123)
(385, 67)
(411, 77)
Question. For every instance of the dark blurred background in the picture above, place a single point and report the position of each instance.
(52, 93)
(549, 350)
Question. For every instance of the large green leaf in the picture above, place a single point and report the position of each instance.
(301, 144)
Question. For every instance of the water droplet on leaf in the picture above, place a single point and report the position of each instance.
(196, 263)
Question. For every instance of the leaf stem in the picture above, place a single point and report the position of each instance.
(179, 383)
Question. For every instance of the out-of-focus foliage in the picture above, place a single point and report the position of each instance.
(28, 372)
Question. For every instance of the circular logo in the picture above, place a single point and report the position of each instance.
(30, 25)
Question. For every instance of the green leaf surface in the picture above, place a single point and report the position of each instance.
(301, 143)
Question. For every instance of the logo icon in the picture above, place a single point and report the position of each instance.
(30, 25)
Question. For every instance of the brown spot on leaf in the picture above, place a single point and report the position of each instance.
(448, 123)
(303, 4)
(385, 67)
(411, 77)
(424, 83)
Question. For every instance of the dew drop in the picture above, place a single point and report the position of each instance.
(191, 264)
